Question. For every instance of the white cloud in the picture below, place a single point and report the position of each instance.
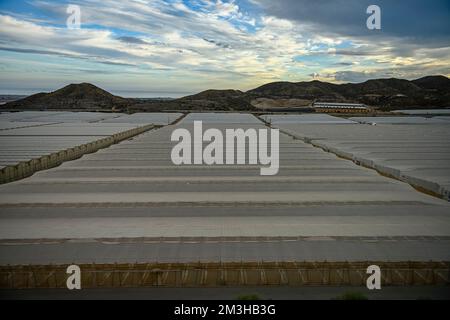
(217, 44)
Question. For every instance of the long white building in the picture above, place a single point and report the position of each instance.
(340, 107)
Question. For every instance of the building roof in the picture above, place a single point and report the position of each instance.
(339, 105)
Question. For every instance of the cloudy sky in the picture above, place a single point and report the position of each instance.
(150, 48)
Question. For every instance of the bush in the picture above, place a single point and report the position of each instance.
(249, 297)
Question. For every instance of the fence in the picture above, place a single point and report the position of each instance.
(27, 168)
(227, 274)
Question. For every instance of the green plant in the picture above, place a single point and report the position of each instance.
(249, 297)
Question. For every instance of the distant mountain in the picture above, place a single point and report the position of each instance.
(212, 100)
(217, 100)
(439, 83)
(214, 95)
(432, 91)
(299, 90)
(386, 94)
(5, 98)
(83, 96)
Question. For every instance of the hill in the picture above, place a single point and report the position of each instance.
(438, 83)
(218, 100)
(214, 95)
(83, 96)
(211, 100)
(431, 91)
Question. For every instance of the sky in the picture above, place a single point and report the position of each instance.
(171, 48)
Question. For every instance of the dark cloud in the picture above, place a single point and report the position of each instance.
(418, 20)
(113, 63)
(355, 76)
(20, 50)
(65, 55)
(354, 52)
(343, 64)
(219, 44)
(133, 40)
(409, 72)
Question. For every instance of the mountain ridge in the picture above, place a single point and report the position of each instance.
(429, 91)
